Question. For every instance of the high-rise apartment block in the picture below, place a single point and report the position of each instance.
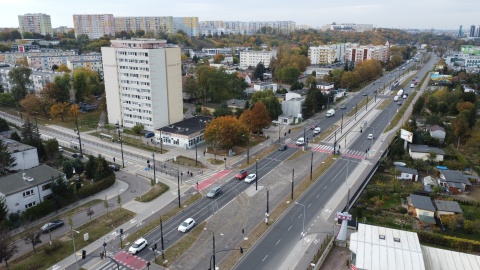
(156, 25)
(35, 23)
(246, 28)
(321, 55)
(94, 25)
(359, 53)
(143, 83)
(189, 25)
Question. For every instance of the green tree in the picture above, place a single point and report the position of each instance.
(119, 202)
(14, 136)
(105, 203)
(60, 190)
(63, 86)
(90, 167)
(138, 129)
(288, 74)
(31, 236)
(85, 83)
(270, 101)
(6, 159)
(259, 70)
(67, 168)
(296, 85)
(222, 110)
(3, 211)
(7, 247)
(4, 125)
(102, 169)
(418, 106)
(6, 99)
(51, 148)
(20, 80)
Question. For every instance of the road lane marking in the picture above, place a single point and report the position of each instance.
(318, 195)
(265, 258)
(289, 228)
(325, 187)
(309, 205)
(300, 216)
(277, 242)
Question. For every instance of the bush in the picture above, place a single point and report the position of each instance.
(40, 210)
(96, 187)
(50, 249)
(138, 129)
(449, 242)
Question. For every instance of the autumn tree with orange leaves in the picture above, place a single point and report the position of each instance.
(225, 132)
(256, 118)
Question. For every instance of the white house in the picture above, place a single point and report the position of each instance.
(421, 151)
(26, 156)
(422, 207)
(293, 107)
(28, 188)
(185, 134)
(265, 86)
(437, 132)
(406, 173)
(428, 183)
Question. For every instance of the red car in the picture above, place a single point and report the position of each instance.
(241, 174)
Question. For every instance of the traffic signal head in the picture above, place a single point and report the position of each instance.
(241, 250)
(121, 231)
(84, 254)
(155, 246)
(361, 130)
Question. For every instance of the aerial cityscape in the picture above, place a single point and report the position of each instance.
(211, 136)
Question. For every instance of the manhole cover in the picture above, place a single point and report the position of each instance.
(133, 191)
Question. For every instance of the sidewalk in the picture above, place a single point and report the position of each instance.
(143, 211)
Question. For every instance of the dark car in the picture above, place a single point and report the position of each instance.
(77, 155)
(343, 107)
(282, 147)
(313, 127)
(241, 174)
(149, 134)
(216, 191)
(52, 225)
(364, 94)
(115, 167)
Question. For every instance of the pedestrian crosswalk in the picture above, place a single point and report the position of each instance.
(111, 265)
(329, 149)
(199, 176)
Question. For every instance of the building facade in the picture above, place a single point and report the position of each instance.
(46, 62)
(143, 83)
(189, 25)
(39, 79)
(358, 53)
(12, 58)
(35, 23)
(94, 25)
(246, 28)
(252, 58)
(157, 24)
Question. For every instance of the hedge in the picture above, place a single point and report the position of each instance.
(86, 191)
(40, 210)
(463, 245)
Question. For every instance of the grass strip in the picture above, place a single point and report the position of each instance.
(384, 104)
(169, 214)
(153, 193)
(186, 161)
(359, 106)
(233, 257)
(46, 255)
(137, 143)
(214, 161)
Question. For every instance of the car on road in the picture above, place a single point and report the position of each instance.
(186, 225)
(149, 134)
(140, 244)
(216, 191)
(370, 136)
(300, 142)
(77, 155)
(364, 94)
(313, 127)
(60, 149)
(52, 225)
(282, 147)
(250, 178)
(114, 167)
(241, 174)
(343, 107)
(378, 81)
(399, 103)
(373, 83)
(317, 130)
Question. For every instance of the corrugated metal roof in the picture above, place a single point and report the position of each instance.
(441, 259)
(374, 253)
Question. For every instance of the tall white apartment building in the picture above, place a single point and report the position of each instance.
(94, 25)
(321, 55)
(252, 58)
(361, 53)
(35, 23)
(143, 83)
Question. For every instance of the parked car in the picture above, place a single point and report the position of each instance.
(60, 149)
(370, 136)
(114, 167)
(250, 178)
(282, 147)
(77, 155)
(149, 134)
(186, 225)
(241, 174)
(216, 191)
(140, 244)
(52, 225)
(343, 107)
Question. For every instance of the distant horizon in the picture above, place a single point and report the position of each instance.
(395, 14)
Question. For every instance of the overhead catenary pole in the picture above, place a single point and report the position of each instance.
(293, 176)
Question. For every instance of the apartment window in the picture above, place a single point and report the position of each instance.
(46, 187)
(32, 204)
(28, 193)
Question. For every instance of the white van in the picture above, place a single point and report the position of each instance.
(412, 85)
(300, 142)
(317, 130)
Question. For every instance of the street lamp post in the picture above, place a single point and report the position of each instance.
(121, 143)
(256, 175)
(267, 214)
(213, 253)
(196, 155)
(154, 169)
(293, 177)
(341, 125)
(161, 238)
(356, 104)
(70, 222)
(79, 139)
(178, 188)
(303, 230)
(346, 183)
(311, 166)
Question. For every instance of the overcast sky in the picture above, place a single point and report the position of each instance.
(422, 14)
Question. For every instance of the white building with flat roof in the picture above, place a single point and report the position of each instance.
(143, 83)
(252, 58)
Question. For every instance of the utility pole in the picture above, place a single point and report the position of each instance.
(293, 177)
